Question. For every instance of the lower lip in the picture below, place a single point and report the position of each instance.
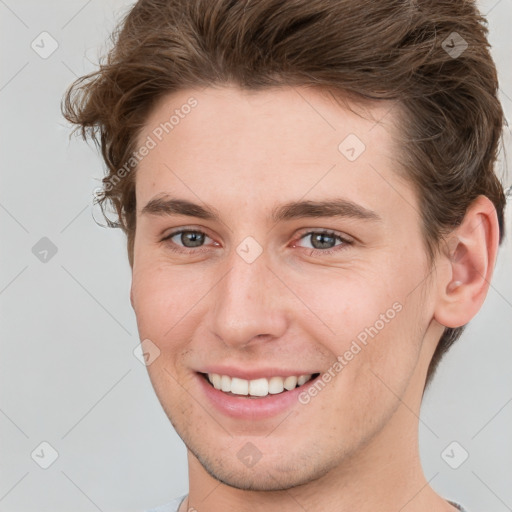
(242, 407)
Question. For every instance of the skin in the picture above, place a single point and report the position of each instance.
(354, 446)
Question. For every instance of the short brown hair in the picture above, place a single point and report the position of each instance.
(399, 50)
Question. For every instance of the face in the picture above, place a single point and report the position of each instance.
(271, 244)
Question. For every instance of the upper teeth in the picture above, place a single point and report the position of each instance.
(256, 387)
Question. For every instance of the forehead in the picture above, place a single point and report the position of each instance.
(227, 144)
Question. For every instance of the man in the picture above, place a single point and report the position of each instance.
(312, 216)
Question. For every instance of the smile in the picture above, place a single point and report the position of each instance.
(257, 388)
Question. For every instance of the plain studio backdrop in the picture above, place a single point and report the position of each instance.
(73, 397)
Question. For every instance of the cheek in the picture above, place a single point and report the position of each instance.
(343, 304)
(388, 349)
(163, 304)
(162, 296)
(369, 319)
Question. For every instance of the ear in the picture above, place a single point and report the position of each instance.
(470, 255)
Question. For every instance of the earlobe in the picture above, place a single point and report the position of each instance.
(470, 258)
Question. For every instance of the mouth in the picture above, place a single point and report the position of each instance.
(256, 388)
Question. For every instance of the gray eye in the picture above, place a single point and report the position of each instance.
(191, 238)
(322, 240)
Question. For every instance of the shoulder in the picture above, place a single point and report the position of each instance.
(172, 506)
(457, 506)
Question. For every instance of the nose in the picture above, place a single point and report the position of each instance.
(249, 304)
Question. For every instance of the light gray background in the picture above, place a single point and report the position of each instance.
(68, 374)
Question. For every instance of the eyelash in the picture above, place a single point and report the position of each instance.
(312, 251)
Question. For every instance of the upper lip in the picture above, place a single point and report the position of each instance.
(253, 373)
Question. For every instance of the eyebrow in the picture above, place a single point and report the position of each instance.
(338, 207)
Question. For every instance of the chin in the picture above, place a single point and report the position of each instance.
(269, 475)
